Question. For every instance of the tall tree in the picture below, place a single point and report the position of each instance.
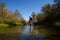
(57, 2)
(33, 14)
(18, 14)
(2, 6)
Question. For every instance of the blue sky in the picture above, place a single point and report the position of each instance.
(26, 7)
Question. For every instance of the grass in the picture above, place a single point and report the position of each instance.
(4, 25)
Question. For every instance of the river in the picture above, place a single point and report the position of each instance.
(29, 33)
(26, 34)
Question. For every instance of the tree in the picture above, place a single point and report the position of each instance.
(46, 8)
(18, 15)
(52, 13)
(2, 6)
(57, 1)
(17, 12)
(33, 14)
(40, 17)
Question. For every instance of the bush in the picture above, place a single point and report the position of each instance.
(56, 23)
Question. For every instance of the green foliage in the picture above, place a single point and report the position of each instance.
(2, 5)
(2, 25)
(50, 16)
(22, 22)
(56, 23)
(33, 14)
(1, 20)
(10, 18)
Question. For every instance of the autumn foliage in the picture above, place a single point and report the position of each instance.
(9, 17)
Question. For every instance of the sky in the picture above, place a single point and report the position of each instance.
(26, 7)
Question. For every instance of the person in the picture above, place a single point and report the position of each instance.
(30, 21)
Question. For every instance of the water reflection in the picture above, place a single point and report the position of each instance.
(26, 34)
(26, 30)
(37, 34)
